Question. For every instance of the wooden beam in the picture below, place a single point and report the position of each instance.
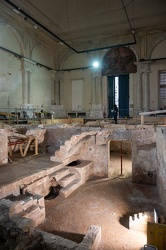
(9, 115)
(153, 112)
(142, 114)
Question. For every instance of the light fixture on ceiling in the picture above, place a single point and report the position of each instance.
(35, 26)
(17, 10)
(96, 64)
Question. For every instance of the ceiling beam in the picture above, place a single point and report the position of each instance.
(18, 10)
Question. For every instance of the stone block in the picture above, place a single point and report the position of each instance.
(35, 213)
(61, 173)
(84, 170)
(11, 189)
(66, 180)
(39, 200)
(26, 224)
(70, 188)
(138, 222)
(92, 238)
(56, 242)
(40, 186)
(3, 147)
(144, 177)
(21, 205)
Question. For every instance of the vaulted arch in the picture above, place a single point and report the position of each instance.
(119, 61)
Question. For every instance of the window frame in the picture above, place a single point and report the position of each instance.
(162, 86)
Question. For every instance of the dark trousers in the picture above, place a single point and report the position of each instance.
(115, 118)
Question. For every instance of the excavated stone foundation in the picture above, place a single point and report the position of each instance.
(79, 154)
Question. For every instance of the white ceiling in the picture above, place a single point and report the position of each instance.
(93, 24)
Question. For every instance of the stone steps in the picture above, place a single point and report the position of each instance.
(67, 179)
(70, 188)
(28, 206)
(60, 173)
(70, 181)
(35, 213)
(23, 202)
(55, 157)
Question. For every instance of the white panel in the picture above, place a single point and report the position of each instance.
(159, 50)
(77, 94)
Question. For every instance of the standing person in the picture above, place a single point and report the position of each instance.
(115, 113)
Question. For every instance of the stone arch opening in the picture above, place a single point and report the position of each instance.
(119, 158)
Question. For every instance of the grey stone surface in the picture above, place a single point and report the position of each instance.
(3, 147)
(92, 238)
(161, 163)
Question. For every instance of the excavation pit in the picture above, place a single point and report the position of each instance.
(74, 163)
(76, 237)
(54, 192)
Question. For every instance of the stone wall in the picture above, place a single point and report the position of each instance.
(18, 228)
(144, 155)
(57, 134)
(95, 147)
(3, 147)
(161, 163)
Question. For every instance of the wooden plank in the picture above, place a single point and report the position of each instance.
(7, 114)
(153, 112)
(142, 119)
(156, 235)
(164, 232)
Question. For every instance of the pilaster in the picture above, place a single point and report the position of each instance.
(53, 87)
(26, 69)
(59, 78)
(142, 88)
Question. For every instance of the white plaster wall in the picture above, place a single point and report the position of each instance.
(79, 61)
(158, 51)
(42, 55)
(131, 95)
(41, 87)
(20, 37)
(41, 77)
(66, 88)
(8, 38)
(155, 102)
(76, 61)
(10, 74)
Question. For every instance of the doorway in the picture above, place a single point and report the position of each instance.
(77, 94)
(119, 159)
(118, 93)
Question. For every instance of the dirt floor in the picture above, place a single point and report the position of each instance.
(106, 203)
(120, 165)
